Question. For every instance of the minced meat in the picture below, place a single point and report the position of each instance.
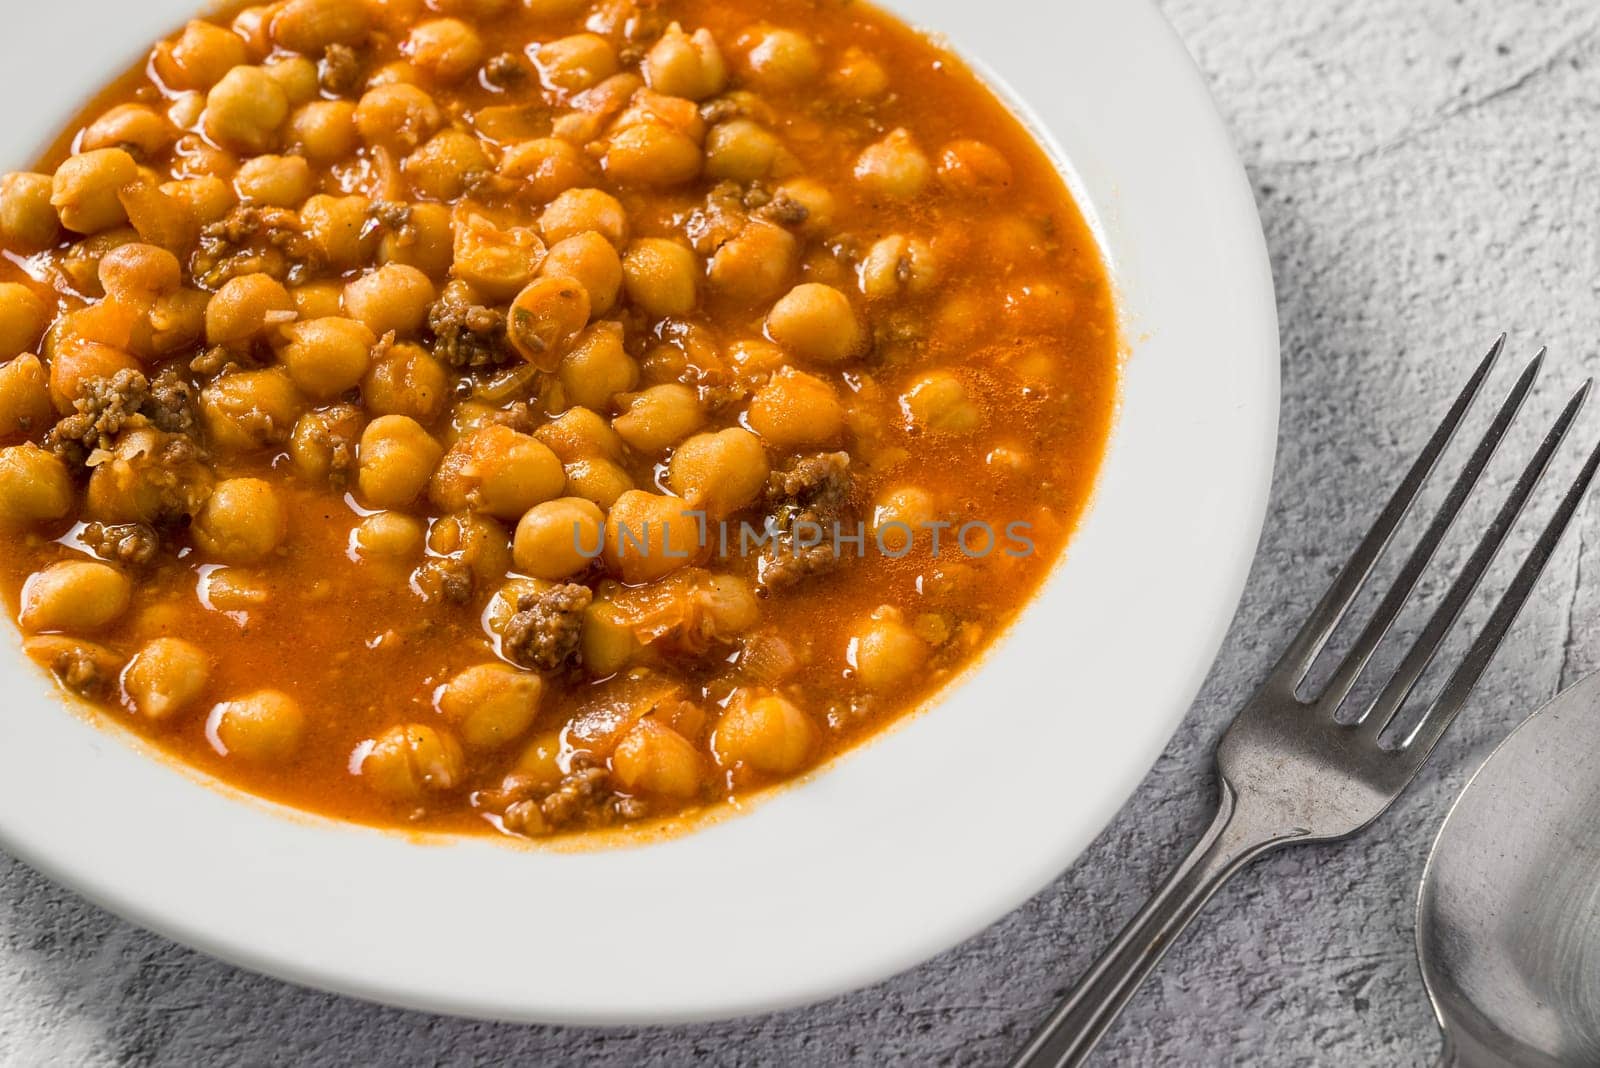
(469, 336)
(811, 492)
(254, 240)
(109, 405)
(545, 632)
(133, 544)
(505, 70)
(340, 70)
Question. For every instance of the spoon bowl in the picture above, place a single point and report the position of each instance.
(1508, 920)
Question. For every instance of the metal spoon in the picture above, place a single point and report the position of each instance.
(1508, 922)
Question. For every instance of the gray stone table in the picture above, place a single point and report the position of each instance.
(1426, 170)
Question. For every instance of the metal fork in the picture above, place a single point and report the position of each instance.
(1288, 771)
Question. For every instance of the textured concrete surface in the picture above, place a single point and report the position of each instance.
(1426, 171)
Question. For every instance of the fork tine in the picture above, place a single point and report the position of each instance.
(1454, 693)
(1355, 661)
(1297, 659)
(1374, 721)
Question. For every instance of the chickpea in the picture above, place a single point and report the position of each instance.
(200, 56)
(398, 117)
(884, 652)
(815, 199)
(324, 131)
(74, 595)
(597, 368)
(297, 76)
(741, 150)
(937, 402)
(545, 317)
(497, 471)
(323, 444)
(576, 63)
(1008, 461)
(893, 167)
(133, 127)
(392, 536)
(580, 433)
(545, 167)
(719, 473)
(250, 409)
(139, 272)
(72, 366)
(898, 264)
(325, 357)
(405, 763)
(396, 14)
(554, 9)
(472, 9)
(661, 277)
(447, 165)
(446, 50)
(206, 199)
(28, 220)
(166, 676)
(607, 642)
(653, 758)
(794, 410)
(475, 540)
(659, 417)
(242, 522)
(244, 111)
(263, 727)
(186, 110)
(310, 26)
(651, 154)
(679, 64)
(816, 322)
(24, 396)
(278, 181)
(246, 308)
(233, 589)
(756, 265)
(591, 260)
(557, 539)
(597, 479)
(393, 297)
(147, 480)
(396, 459)
(909, 506)
(972, 168)
(23, 318)
(318, 300)
(34, 486)
(427, 244)
(337, 227)
(497, 263)
(195, 157)
(649, 536)
(406, 380)
(491, 705)
(765, 732)
(859, 77)
(85, 188)
(398, 72)
(782, 60)
(577, 211)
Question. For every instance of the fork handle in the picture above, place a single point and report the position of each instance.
(1077, 1025)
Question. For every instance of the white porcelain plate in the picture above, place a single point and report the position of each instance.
(901, 849)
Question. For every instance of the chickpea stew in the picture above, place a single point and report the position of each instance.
(535, 416)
